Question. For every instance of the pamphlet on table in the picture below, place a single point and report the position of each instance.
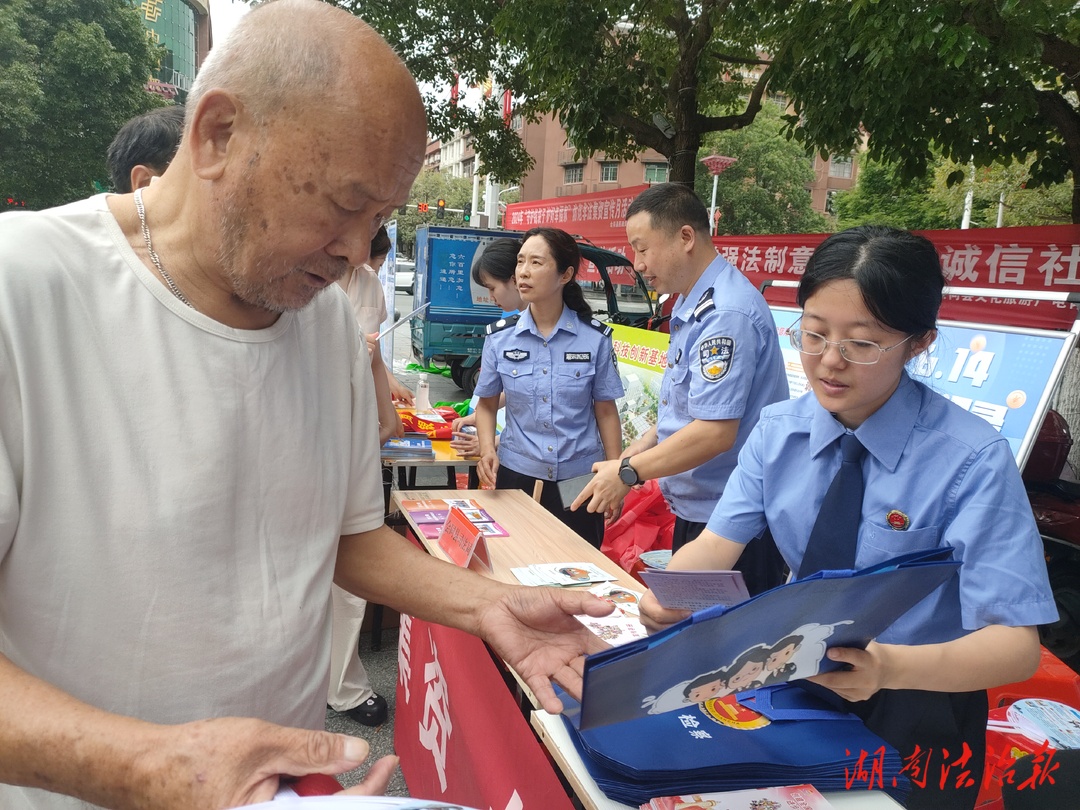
(418, 447)
(561, 574)
(430, 515)
(803, 797)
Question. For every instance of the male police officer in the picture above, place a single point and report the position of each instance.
(724, 366)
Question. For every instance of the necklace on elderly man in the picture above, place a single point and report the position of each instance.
(150, 249)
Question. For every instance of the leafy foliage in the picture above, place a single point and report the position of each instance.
(765, 190)
(883, 197)
(621, 76)
(430, 187)
(989, 80)
(71, 73)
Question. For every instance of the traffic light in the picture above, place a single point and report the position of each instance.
(422, 208)
(440, 212)
(466, 212)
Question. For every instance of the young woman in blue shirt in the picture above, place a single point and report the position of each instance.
(933, 475)
(556, 365)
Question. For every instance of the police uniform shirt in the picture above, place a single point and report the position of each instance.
(935, 475)
(551, 384)
(724, 362)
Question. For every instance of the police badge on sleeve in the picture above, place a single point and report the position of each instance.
(716, 355)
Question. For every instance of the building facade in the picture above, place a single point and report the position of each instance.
(560, 172)
(183, 28)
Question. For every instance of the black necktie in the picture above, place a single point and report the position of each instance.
(835, 535)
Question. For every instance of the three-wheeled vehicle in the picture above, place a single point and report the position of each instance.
(451, 329)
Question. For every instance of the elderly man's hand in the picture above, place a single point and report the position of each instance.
(230, 762)
(535, 632)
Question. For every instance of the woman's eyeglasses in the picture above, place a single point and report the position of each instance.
(860, 352)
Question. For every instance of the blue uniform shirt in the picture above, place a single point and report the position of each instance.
(724, 362)
(934, 475)
(551, 385)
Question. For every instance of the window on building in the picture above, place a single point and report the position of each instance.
(516, 122)
(609, 172)
(656, 172)
(840, 166)
(573, 174)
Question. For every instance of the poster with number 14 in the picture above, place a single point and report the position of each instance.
(1002, 374)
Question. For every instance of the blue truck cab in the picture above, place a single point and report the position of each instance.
(451, 329)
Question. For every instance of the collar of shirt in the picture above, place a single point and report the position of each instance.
(567, 322)
(686, 304)
(884, 434)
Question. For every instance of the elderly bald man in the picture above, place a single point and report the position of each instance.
(187, 429)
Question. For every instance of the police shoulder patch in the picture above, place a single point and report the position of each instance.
(600, 326)
(716, 355)
(502, 323)
(705, 304)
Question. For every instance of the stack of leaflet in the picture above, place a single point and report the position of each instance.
(410, 446)
(776, 736)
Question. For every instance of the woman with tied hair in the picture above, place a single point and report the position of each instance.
(556, 365)
(931, 475)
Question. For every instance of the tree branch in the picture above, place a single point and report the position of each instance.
(720, 123)
(644, 134)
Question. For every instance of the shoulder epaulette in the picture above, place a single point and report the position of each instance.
(705, 304)
(600, 326)
(502, 323)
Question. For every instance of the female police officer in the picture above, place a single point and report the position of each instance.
(927, 474)
(555, 363)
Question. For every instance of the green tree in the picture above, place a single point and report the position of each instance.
(621, 76)
(1022, 205)
(988, 80)
(430, 187)
(883, 197)
(764, 191)
(71, 73)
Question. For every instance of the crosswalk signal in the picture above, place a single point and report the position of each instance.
(440, 212)
(422, 208)
(466, 212)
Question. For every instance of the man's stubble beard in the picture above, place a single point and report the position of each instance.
(266, 284)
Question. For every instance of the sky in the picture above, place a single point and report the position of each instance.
(223, 16)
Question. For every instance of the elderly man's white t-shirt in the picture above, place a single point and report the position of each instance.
(172, 490)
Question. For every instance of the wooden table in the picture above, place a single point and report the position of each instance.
(536, 536)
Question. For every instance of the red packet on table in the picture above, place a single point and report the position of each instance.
(435, 424)
(463, 541)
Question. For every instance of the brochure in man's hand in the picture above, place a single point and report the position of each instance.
(777, 636)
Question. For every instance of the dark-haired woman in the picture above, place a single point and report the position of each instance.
(556, 365)
(932, 475)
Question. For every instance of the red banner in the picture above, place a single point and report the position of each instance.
(1005, 260)
(460, 734)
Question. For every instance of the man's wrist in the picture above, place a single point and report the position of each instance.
(628, 474)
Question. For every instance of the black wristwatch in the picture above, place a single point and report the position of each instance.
(628, 475)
